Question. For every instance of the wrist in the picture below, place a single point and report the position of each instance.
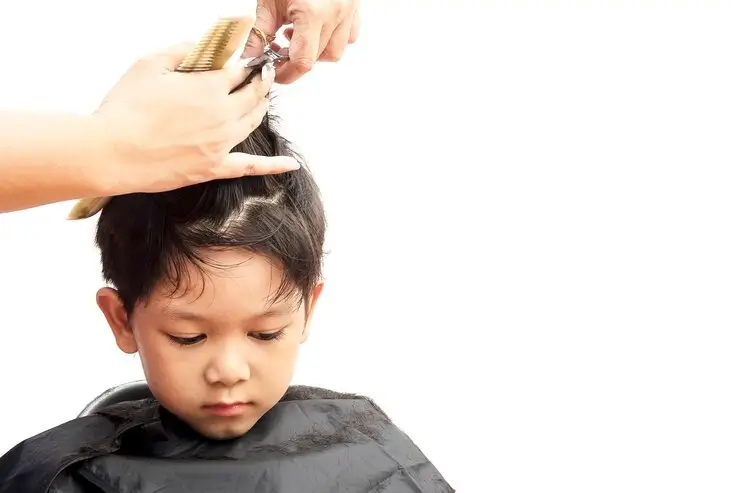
(53, 157)
(104, 164)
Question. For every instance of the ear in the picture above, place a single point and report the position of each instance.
(309, 312)
(110, 304)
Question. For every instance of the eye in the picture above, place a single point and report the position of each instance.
(268, 336)
(186, 341)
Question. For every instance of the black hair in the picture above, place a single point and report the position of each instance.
(149, 238)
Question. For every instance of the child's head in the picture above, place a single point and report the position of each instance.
(215, 285)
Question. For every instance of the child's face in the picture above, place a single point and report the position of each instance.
(220, 343)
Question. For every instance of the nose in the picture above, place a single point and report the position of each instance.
(229, 367)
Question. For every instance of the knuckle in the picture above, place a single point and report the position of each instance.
(339, 10)
(304, 7)
(256, 122)
(218, 143)
(332, 54)
(214, 152)
(252, 124)
(250, 168)
(210, 161)
(345, 9)
(302, 65)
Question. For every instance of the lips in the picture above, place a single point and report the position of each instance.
(226, 408)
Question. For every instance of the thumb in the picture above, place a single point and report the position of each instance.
(238, 164)
(267, 23)
(170, 58)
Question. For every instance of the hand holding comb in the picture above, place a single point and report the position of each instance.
(214, 49)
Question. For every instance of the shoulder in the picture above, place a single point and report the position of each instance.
(308, 393)
(346, 406)
(32, 465)
(357, 422)
(37, 460)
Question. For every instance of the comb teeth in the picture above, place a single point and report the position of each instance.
(212, 52)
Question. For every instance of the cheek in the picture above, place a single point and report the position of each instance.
(276, 364)
(164, 361)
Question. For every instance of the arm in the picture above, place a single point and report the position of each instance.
(46, 158)
(139, 140)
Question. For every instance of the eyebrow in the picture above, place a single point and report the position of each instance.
(180, 314)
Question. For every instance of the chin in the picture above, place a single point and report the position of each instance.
(224, 431)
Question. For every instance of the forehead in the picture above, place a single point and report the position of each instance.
(230, 281)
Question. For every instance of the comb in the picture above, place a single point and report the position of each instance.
(212, 52)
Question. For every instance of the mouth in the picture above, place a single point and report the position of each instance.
(226, 408)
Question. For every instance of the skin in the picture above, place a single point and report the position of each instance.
(320, 30)
(48, 158)
(229, 316)
(137, 140)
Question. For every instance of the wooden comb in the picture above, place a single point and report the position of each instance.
(214, 49)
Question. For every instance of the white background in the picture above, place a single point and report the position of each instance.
(534, 232)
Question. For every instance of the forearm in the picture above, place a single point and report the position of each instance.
(46, 158)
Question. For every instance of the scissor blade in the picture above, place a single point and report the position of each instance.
(269, 56)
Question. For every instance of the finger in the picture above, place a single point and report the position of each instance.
(250, 121)
(238, 164)
(234, 74)
(246, 98)
(355, 30)
(268, 24)
(304, 47)
(337, 42)
(283, 73)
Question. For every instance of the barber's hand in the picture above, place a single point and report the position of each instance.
(172, 129)
(321, 30)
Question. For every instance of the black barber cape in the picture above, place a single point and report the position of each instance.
(312, 441)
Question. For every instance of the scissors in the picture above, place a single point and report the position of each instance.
(266, 61)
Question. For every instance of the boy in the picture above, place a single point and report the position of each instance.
(214, 286)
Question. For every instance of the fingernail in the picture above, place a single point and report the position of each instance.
(268, 72)
(292, 164)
